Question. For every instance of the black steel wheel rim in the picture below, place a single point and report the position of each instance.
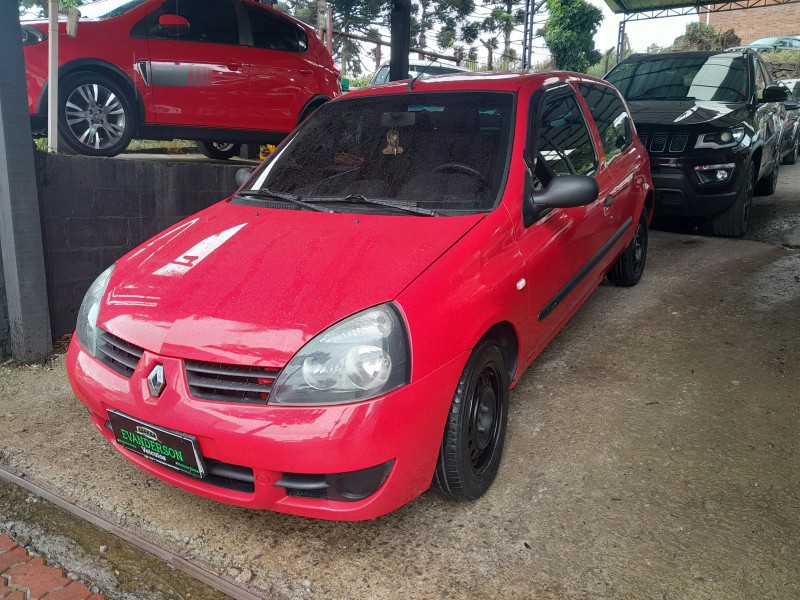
(95, 116)
(485, 417)
(639, 248)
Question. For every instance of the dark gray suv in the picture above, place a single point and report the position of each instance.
(712, 123)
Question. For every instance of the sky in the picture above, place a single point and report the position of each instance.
(640, 33)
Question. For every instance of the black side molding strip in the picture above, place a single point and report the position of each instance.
(584, 271)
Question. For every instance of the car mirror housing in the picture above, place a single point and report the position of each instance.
(791, 105)
(565, 191)
(172, 25)
(774, 93)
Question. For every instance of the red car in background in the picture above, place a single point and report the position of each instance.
(346, 328)
(222, 72)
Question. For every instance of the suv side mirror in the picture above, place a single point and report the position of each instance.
(791, 105)
(774, 93)
(171, 25)
(565, 191)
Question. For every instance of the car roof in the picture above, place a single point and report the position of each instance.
(501, 81)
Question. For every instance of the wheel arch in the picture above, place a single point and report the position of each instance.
(505, 336)
(649, 204)
(101, 67)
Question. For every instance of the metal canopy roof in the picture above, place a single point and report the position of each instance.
(651, 9)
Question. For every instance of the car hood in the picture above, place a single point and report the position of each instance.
(687, 113)
(251, 285)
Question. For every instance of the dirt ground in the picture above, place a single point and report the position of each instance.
(652, 452)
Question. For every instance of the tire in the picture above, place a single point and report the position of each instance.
(95, 115)
(628, 269)
(475, 432)
(736, 219)
(218, 150)
(767, 185)
(791, 158)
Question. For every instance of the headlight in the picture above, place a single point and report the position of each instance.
(726, 138)
(364, 356)
(86, 327)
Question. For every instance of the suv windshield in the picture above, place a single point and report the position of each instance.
(720, 77)
(444, 152)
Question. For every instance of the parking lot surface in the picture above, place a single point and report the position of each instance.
(652, 452)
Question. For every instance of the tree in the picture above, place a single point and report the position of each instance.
(501, 21)
(569, 33)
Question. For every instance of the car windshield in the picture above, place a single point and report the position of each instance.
(443, 152)
(765, 41)
(721, 77)
(105, 9)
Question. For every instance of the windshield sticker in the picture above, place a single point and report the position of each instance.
(393, 146)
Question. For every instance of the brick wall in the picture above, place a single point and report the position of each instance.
(754, 23)
(94, 210)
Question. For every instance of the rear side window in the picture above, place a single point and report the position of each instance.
(562, 139)
(210, 21)
(610, 116)
(271, 32)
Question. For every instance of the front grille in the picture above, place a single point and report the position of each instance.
(232, 477)
(117, 354)
(665, 142)
(229, 383)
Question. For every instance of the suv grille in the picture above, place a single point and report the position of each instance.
(229, 383)
(117, 354)
(664, 142)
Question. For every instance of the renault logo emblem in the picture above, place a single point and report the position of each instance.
(156, 381)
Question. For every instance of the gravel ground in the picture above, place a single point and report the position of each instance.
(652, 452)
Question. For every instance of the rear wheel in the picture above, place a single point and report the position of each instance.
(95, 116)
(736, 219)
(791, 158)
(218, 150)
(767, 186)
(628, 269)
(474, 435)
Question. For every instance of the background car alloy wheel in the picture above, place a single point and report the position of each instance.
(218, 150)
(476, 426)
(95, 117)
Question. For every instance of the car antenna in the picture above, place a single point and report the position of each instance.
(421, 71)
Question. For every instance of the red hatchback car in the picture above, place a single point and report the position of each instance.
(346, 328)
(219, 71)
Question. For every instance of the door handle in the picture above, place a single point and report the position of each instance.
(234, 66)
(608, 201)
(306, 71)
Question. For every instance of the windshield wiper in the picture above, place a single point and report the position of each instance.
(267, 194)
(404, 206)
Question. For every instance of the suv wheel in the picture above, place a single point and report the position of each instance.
(767, 185)
(791, 158)
(218, 150)
(734, 221)
(95, 117)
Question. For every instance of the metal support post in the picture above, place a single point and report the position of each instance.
(401, 39)
(621, 39)
(52, 78)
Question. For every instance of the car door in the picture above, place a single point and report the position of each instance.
(558, 248)
(768, 119)
(281, 70)
(198, 77)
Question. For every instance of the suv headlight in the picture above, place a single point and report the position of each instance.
(364, 356)
(726, 138)
(86, 327)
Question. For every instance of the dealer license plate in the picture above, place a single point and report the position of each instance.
(168, 448)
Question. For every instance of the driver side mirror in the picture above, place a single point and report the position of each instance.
(774, 93)
(565, 191)
(171, 26)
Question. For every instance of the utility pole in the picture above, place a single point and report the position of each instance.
(401, 39)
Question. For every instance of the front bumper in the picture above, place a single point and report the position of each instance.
(278, 443)
(679, 192)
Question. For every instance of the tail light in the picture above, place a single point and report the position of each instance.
(32, 36)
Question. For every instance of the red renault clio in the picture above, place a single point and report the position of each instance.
(344, 330)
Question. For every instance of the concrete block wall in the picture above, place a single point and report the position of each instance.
(754, 23)
(94, 210)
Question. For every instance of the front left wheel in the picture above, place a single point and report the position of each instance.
(95, 116)
(472, 445)
(628, 269)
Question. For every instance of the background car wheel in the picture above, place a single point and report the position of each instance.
(476, 426)
(767, 185)
(95, 117)
(735, 221)
(628, 269)
(791, 158)
(218, 150)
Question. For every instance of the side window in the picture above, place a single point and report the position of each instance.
(610, 116)
(271, 32)
(210, 21)
(767, 74)
(562, 141)
(760, 81)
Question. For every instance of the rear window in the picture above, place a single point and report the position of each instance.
(721, 77)
(444, 151)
